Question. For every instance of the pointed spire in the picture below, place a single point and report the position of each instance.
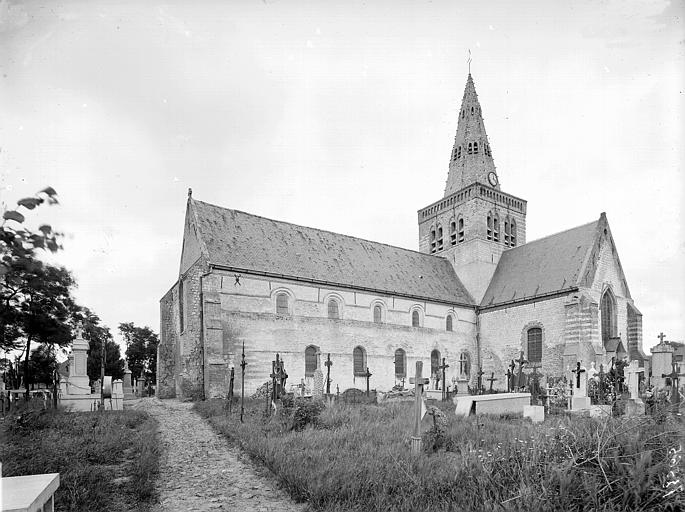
(471, 158)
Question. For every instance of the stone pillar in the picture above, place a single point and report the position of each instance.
(662, 362)
(127, 383)
(78, 381)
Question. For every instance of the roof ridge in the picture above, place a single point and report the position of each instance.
(527, 244)
(325, 231)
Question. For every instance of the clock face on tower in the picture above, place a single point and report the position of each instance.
(492, 178)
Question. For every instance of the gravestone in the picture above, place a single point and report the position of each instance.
(78, 382)
(317, 387)
(535, 412)
(580, 400)
(140, 388)
(96, 387)
(117, 395)
(662, 359)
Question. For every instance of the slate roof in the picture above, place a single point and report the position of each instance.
(544, 266)
(243, 241)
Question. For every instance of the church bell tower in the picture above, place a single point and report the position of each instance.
(475, 221)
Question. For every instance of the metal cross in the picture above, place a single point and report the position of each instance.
(443, 367)
(675, 382)
(480, 379)
(578, 371)
(510, 380)
(328, 364)
(491, 379)
(367, 375)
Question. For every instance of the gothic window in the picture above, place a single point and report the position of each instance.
(506, 231)
(470, 148)
(181, 316)
(282, 304)
(512, 240)
(415, 319)
(459, 152)
(462, 114)
(475, 148)
(454, 154)
(464, 366)
(489, 225)
(333, 309)
(495, 228)
(453, 233)
(535, 345)
(448, 323)
(608, 312)
(471, 110)
(359, 361)
(439, 238)
(400, 363)
(435, 362)
(460, 233)
(377, 314)
(310, 360)
(432, 240)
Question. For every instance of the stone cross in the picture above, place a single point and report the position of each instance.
(491, 379)
(510, 380)
(328, 364)
(443, 367)
(521, 361)
(243, 364)
(480, 379)
(675, 382)
(581, 384)
(661, 337)
(367, 375)
(301, 387)
(633, 381)
(419, 382)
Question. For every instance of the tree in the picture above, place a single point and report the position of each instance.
(42, 365)
(141, 350)
(35, 298)
(96, 335)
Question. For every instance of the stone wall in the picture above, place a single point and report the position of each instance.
(167, 352)
(246, 313)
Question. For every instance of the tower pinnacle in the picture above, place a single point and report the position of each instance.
(471, 158)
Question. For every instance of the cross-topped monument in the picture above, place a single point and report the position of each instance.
(480, 380)
(578, 370)
(443, 367)
(328, 364)
(419, 382)
(521, 361)
(367, 375)
(661, 337)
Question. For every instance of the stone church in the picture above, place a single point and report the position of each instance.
(476, 293)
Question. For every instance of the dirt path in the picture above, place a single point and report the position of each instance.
(199, 471)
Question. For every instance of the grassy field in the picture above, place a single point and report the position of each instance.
(358, 458)
(107, 461)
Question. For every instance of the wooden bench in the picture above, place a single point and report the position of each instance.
(31, 493)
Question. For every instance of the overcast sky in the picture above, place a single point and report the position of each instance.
(339, 115)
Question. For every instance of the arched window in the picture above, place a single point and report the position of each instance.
(282, 304)
(359, 361)
(439, 238)
(608, 312)
(506, 231)
(471, 110)
(435, 362)
(400, 363)
(475, 148)
(453, 233)
(415, 319)
(181, 301)
(432, 239)
(535, 345)
(448, 323)
(513, 233)
(470, 148)
(310, 360)
(489, 225)
(464, 366)
(495, 228)
(333, 309)
(460, 232)
(462, 114)
(377, 314)
(459, 152)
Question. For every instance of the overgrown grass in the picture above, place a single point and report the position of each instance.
(358, 458)
(106, 460)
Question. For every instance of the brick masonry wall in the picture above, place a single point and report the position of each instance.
(247, 313)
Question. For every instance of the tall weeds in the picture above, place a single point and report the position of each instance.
(358, 458)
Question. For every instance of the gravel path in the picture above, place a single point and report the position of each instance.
(199, 471)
